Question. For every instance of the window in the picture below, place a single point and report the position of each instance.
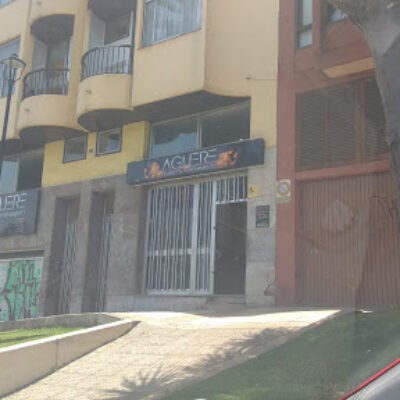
(333, 130)
(174, 137)
(164, 19)
(333, 14)
(304, 23)
(22, 172)
(117, 29)
(109, 141)
(75, 149)
(225, 127)
(6, 50)
(57, 55)
(9, 175)
(5, 2)
(204, 130)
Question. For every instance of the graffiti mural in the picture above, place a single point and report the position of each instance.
(19, 288)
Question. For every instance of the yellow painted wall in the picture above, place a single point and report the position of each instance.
(234, 53)
(170, 68)
(44, 8)
(134, 148)
(13, 20)
(264, 111)
(104, 92)
(59, 111)
(241, 45)
(236, 44)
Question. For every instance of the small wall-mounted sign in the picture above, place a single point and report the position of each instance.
(252, 192)
(263, 216)
(284, 191)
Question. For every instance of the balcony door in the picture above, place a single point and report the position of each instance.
(181, 228)
(57, 65)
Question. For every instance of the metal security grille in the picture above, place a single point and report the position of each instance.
(181, 236)
(232, 190)
(69, 258)
(104, 259)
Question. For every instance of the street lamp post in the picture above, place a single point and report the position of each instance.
(10, 67)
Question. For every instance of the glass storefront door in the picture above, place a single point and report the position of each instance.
(180, 248)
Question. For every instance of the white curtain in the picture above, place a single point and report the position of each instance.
(164, 19)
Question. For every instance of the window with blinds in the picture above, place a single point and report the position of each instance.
(340, 125)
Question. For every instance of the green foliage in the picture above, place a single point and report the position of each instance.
(10, 338)
(321, 364)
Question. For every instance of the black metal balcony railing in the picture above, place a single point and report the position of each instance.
(107, 60)
(46, 81)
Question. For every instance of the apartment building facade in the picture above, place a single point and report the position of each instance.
(141, 155)
(337, 238)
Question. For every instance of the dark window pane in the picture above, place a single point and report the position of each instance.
(174, 137)
(109, 141)
(75, 149)
(117, 29)
(226, 126)
(30, 170)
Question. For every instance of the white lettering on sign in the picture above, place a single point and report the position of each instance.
(199, 159)
(12, 202)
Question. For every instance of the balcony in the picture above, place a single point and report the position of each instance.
(46, 81)
(47, 108)
(107, 60)
(104, 96)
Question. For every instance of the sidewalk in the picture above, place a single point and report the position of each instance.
(169, 350)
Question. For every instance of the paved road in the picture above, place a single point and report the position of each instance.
(167, 351)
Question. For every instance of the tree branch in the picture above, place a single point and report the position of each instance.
(361, 11)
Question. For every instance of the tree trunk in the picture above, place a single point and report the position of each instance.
(379, 23)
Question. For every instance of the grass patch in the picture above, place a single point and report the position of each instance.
(9, 338)
(321, 364)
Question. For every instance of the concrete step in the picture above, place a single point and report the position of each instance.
(226, 303)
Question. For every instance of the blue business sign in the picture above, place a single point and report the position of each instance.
(230, 156)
